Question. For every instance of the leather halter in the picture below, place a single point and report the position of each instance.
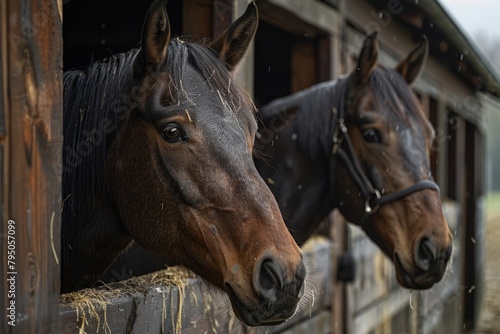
(371, 195)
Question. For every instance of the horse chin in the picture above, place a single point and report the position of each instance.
(412, 281)
(252, 317)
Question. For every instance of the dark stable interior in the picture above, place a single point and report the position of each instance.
(94, 30)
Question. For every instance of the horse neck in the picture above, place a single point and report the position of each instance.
(306, 197)
(94, 106)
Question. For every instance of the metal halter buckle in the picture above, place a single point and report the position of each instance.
(338, 134)
(368, 208)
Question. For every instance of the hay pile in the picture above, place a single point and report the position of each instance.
(91, 305)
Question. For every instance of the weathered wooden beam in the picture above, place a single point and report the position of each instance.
(32, 104)
(174, 300)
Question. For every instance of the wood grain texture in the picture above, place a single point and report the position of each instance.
(32, 61)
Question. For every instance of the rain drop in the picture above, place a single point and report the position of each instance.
(299, 187)
(294, 136)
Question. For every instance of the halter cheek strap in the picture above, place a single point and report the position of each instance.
(372, 197)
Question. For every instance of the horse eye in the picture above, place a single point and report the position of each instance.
(372, 136)
(173, 133)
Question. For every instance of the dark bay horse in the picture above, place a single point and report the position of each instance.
(158, 149)
(361, 143)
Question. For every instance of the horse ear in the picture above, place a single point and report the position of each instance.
(155, 34)
(232, 44)
(413, 64)
(367, 60)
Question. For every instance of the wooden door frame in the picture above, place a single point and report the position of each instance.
(31, 74)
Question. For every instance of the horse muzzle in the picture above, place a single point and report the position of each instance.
(276, 296)
(428, 268)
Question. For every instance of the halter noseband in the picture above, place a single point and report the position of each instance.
(372, 196)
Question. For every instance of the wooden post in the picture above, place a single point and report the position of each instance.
(31, 146)
(474, 226)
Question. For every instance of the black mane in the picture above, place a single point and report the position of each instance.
(390, 88)
(322, 98)
(315, 107)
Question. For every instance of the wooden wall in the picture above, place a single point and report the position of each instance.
(31, 151)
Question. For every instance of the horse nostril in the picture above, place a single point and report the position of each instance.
(268, 278)
(426, 254)
(270, 275)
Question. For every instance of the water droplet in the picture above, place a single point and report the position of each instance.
(214, 230)
(299, 187)
(294, 136)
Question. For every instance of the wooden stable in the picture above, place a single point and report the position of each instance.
(299, 43)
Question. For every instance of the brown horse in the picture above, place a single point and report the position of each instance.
(158, 149)
(361, 144)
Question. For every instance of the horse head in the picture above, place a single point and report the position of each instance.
(180, 174)
(387, 186)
